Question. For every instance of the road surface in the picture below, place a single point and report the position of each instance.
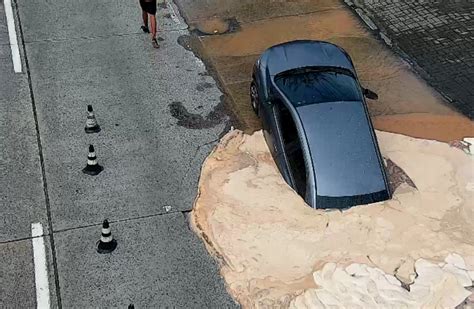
(75, 53)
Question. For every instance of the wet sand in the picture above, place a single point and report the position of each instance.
(271, 245)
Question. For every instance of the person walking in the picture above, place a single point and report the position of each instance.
(149, 12)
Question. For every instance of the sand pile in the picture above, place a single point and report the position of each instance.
(276, 251)
(361, 286)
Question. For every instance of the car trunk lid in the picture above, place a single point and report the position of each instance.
(343, 150)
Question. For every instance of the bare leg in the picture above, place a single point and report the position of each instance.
(153, 31)
(145, 18)
(153, 26)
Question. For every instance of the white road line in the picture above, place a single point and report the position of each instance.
(174, 17)
(41, 270)
(12, 35)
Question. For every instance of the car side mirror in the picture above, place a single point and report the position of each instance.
(369, 94)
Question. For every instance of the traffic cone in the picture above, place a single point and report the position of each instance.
(107, 243)
(91, 123)
(92, 168)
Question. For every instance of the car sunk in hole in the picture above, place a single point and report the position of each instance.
(317, 126)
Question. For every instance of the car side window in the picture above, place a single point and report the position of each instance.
(292, 148)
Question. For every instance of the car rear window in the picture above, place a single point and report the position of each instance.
(310, 87)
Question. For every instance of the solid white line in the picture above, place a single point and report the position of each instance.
(174, 17)
(12, 35)
(41, 270)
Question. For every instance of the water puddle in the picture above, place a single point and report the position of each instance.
(197, 121)
(215, 26)
(233, 55)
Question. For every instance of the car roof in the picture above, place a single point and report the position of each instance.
(342, 149)
(305, 53)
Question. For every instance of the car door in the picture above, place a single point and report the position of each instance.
(279, 146)
(292, 154)
(269, 123)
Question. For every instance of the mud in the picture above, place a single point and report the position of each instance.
(273, 248)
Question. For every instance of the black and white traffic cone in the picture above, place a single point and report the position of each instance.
(107, 243)
(91, 123)
(92, 168)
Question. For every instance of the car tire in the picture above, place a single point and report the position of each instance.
(254, 97)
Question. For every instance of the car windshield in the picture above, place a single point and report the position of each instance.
(303, 87)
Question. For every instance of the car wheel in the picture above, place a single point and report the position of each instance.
(254, 97)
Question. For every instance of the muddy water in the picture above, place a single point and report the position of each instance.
(198, 11)
(445, 128)
(214, 26)
(233, 54)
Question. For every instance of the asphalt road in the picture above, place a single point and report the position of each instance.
(76, 53)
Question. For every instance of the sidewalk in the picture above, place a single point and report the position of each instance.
(436, 36)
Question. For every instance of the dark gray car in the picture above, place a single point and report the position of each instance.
(317, 126)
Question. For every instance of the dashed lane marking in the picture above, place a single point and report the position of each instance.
(41, 270)
(12, 36)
